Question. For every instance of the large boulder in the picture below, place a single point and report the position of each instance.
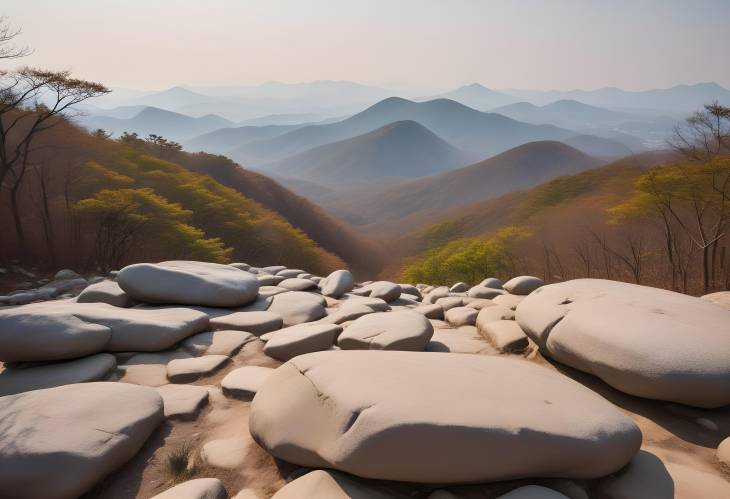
(62, 330)
(23, 379)
(321, 484)
(296, 307)
(190, 283)
(523, 285)
(337, 283)
(400, 330)
(105, 292)
(59, 442)
(438, 418)
(200, 488)
(643, 341)
(300, 339)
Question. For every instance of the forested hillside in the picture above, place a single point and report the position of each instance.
(85, 201)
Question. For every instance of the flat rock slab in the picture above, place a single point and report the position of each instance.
(149, 369)
(401, 330)
(506, 336)
(59, 442)
(200, 488)
(217, 342)
(256, 323)
(402, 415)
(461, 316)
(189, 283)
(643, 341)
(297, 284)
(464, 339)
(183, 401)
(348, 312)
(323, 484)
(523, 285)
(92, 368)
(296, 307)
(228, 453)
(106, 291)
(300, 339)
(430, 311)
(484, 292)
(508, 301)
(245, 381)
(189, 370)
(63, 330)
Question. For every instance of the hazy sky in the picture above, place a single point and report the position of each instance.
(537, 44)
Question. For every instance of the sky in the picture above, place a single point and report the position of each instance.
(502, 44)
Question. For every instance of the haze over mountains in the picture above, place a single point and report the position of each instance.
(383, 161)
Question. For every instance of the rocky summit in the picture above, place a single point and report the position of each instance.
(186, 379)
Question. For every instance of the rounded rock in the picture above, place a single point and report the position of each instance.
(400, 330)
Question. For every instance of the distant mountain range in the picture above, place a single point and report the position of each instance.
(476, 133)
(398, 150)
(408, 204)
(565, 113)
(477, 96)
(151, 120)
(677, 99)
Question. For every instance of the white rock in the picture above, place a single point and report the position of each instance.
(508, 300)
(300, 339)
(296, 307)
(506, 336)
(187, 370)
(721, 298)
(63, 330)
(643, 341)
(337, 283)
(217, 342)
(245, 381)
(401, 330)
(402, 415)
(321, 484)
(491, 282)
(93, 368)
(105, 292)
(523, 285)
(430, 311)
(461, 316)
(484, 292)
(187, 282)
(200, 488)
(227, 453)
(257, 323)
(296, 284)
(57, 443)
(183, 401)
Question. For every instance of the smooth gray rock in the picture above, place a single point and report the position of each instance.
(523, 285)
(430, 311)
(57, 443)
(245, 381)
(491, 282)
(106, 291)
(643, 341)
(183, 401)
(296, 284)
(60, 330)
(200, 488)
(459, 287)
(220, 342)
(402, 415)
(321, 484)
(258, 322)
(461, 316)
(337, 283)
(505, 335)
(23, 379)
(188, 370)
(401, 330)
(189, 283)
(300, 339)
(296, 307)
(484, 292)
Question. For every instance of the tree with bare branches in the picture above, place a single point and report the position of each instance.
(8, 33)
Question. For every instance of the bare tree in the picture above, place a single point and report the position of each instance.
(704, 134)
(8, 50)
